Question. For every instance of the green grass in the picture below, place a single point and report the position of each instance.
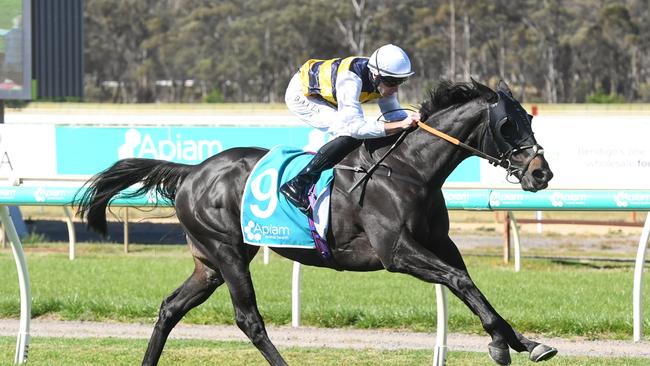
(114, 352)
(104, 284)
(8, 11)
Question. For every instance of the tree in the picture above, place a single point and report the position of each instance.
(622, 34)
(115, 32)
(247, 50)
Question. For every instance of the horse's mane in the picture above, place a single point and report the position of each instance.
(446, 94)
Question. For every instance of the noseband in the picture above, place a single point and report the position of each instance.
(516, 172)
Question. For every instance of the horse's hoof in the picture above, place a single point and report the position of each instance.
(542, 352)
(499, 355)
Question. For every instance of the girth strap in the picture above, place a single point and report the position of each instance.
(385, 171)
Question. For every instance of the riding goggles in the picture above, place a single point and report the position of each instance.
(391, 81)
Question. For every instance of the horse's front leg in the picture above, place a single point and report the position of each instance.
(408, 256)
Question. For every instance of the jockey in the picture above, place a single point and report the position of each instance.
(327, 95)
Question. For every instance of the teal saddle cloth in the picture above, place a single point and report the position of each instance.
(267, 218)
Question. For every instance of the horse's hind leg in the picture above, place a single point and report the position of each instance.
(194, 291)
(233, 262)
(248, 318)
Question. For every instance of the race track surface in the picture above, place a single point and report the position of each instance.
(285, 336)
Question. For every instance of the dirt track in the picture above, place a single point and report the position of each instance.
(319, 337)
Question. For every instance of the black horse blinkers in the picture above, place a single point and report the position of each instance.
(510, 131)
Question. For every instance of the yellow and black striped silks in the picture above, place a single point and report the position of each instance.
(319, 77)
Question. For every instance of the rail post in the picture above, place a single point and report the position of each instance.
(637, 290)
(506, 238)
(72, 237)
(22, 343)
(440, 350)
(295, 295)
(126, 230)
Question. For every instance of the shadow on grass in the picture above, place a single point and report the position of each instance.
(139, 232)
(594, 264)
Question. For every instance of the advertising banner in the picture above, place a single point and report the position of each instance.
(27, 151)
(583, 152)
(589, 152)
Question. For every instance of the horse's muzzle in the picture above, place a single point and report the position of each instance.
(537, 175)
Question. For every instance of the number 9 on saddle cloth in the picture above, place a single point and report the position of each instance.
(267, 218)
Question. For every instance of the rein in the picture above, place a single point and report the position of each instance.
(503, 160)
(455, 141)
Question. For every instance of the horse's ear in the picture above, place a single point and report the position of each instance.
(502, 86)
(490, 95)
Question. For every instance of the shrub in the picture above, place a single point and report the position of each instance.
(16, 104)
(602, 98)
(215, 96)
(644, 92)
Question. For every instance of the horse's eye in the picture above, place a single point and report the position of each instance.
(508, 129)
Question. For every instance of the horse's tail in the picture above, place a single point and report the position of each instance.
(163, 177)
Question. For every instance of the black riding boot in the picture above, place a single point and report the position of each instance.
(327, 156)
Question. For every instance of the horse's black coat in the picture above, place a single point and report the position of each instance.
(401, 227)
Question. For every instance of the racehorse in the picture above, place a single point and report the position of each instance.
(397, 222)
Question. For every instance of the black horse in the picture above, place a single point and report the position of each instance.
(400, 224)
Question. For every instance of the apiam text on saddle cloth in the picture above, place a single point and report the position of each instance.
(267, 218)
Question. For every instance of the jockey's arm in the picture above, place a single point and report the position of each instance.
(352, 121)
(398, 117)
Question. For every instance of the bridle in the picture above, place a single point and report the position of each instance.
(508, 112)
(518, 172)
(497, 117)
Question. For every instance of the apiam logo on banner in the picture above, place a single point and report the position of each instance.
(174, 148)
(88, 150)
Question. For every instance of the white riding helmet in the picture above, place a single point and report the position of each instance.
(390, 61)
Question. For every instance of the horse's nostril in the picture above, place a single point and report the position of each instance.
(542, 174)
